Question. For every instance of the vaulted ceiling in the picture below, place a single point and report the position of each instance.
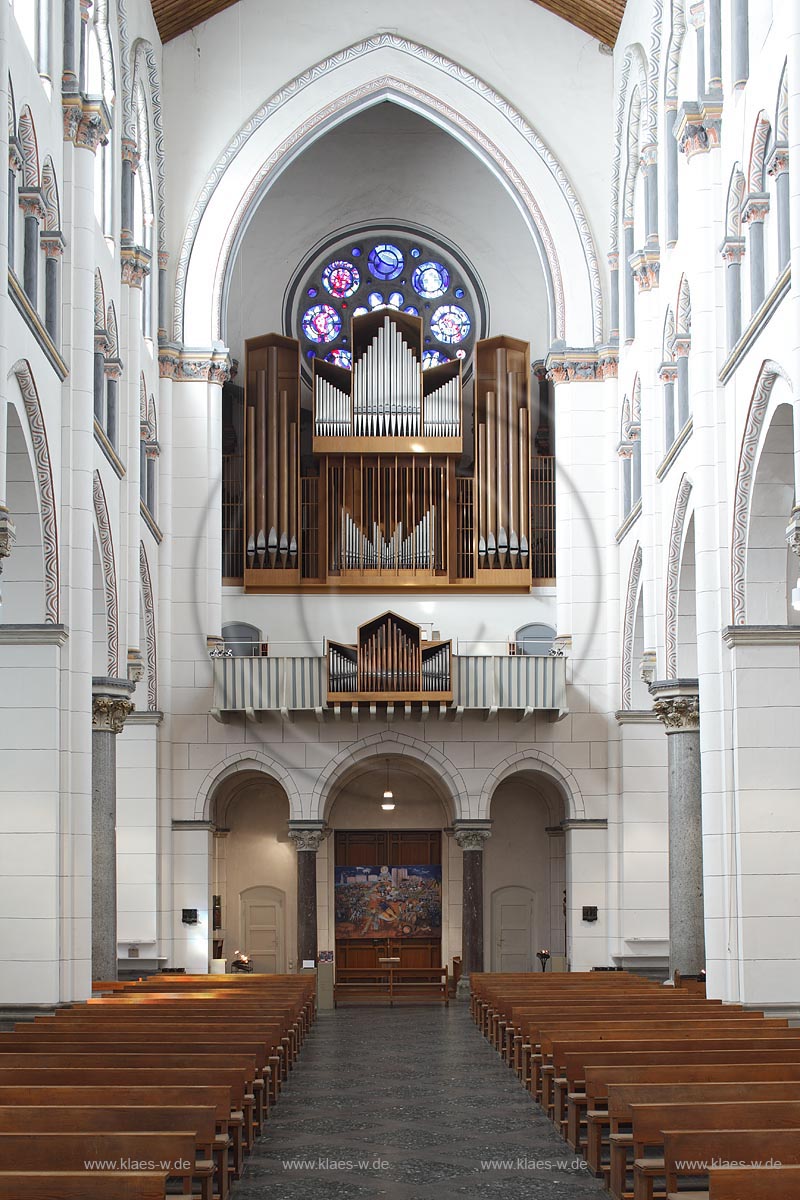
(599, 18)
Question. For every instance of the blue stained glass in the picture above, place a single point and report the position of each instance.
(386, 261)
(359, 312)
(450, 324)
(459, 293)
(321, 323)
(342, 358)
(415, 253)
(310, 354)
(375, 300)
(312, 291)
(431, 279)
(396, 300)
(433, 358)
(356, 252)
(410, 309)
(341, 278)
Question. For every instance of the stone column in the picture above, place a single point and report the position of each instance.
(697, 19)
(732, 255)
(53, 245)
(677, 704)
(30, 201)
(307, 836)
(682, 345)
(471, 837)
(668, 373)
(754, 211)
(110, 706)
(613, 268)
(630, 312)
(778, 168)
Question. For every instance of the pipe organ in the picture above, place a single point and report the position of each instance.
(390, 661)
(380, 503)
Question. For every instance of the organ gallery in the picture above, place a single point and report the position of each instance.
(393, 487)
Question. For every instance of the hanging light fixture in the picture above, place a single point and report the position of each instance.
(388, 794)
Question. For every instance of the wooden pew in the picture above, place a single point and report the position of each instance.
(758, 1183)
(622, 1098)
(82, 1185)
(745, 1148)
(645, 1143)
(173, 1153)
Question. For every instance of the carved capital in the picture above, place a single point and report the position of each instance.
(94, 125)
(573, 366)
(31, 202)
(793, 532)
(698, 127)
(697, 14)
(646, 267)
(613, 261)
(668, 372)
(647, 667)
(681, 345)
(15, 159)
(135, 666)
(163, 260)
(308, 837)
(130, 153)
(778, 161)
(8, 534)
(113, 368)
(52, 242)
(109, 713)
(755, 208)
(732, 251)
(72, 111)
(472, 835)
(135, 265)
(677, 704)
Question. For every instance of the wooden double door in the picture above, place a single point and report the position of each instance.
(391, 848)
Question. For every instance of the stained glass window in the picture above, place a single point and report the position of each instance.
(388, 268)
(322, 323)
(450, 324)
(341, 278)
(431, 280)
(433, 358)
(386, 261)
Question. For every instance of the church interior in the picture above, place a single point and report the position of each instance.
(400, 599)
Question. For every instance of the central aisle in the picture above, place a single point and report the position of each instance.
(407, 1104)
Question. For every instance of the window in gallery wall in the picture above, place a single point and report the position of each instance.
(404, 269)
(534, 639)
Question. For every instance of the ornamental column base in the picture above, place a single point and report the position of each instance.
(111, 705)
(677, 704)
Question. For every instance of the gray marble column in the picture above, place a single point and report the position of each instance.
(732, 255)
(307, 836)
(754, 211)
(613, 267)
(471, 837)
(677, 704)
(110, 706)
(779, 170)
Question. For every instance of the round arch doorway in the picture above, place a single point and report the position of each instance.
(412, 841)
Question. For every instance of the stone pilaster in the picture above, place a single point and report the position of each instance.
(110, 707)
(8, 536)
(677, 705)
(307, 836)
(471, 837)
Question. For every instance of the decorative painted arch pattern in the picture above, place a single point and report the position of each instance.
(44, 478)
(634, 56)
(673, 577)
(782, 109)
(151, 646)
(12, 111)
(733, 208)
(684, 309)
(30, 149)
(668, 337)
(634, 154)
(439, 62)
(770, 372)
(113, 334)
(629, 624)
(99, 302)
(102, 28)
(52, 208)
(383, 86)
(677, 36)
(109, 573)
(758, 149)
(129, 56)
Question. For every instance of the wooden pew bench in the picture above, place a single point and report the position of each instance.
(170, 1153)
(643, 1147)
(82, 1185)
(760, 1183)
(743, 1148)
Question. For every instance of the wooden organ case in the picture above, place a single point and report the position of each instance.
(383, 505)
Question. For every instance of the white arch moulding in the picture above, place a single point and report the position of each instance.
(235, 764)
(544, 764)
(384, 745)
(386, 67)
(36, 437)
(759, 415)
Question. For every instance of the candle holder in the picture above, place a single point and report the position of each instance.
(543, 957)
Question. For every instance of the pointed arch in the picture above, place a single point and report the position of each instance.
(30, 149)
(634, 63)
(105, 51)
(151, 646)
(782, 108)
(769, 373)
(109, 568)
(44, 477)
(674, 551)
(735, 199)
(633, 156)
(455, 100)
(12, 111)
(684, 310)
(99, 302)
(668, 336)
(145, 66)
(113, 331)
(628, 625)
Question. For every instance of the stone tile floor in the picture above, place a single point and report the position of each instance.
(408, 1104)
